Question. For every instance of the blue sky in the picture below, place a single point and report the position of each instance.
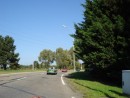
(39, 24)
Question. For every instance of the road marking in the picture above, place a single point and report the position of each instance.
(22, 78)
(73, 97)
(62, 79)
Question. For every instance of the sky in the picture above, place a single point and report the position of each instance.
(36, 25)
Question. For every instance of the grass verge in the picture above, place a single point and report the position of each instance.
(92, 87)
(18, 71)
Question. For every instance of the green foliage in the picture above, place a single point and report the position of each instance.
(7, 53)
(36, 64)
(47, 57)
(103, 39)
(63, 58)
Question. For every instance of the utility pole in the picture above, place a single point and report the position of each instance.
(74, 58)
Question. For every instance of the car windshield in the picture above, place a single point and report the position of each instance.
(52, 68)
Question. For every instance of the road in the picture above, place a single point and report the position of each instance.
(35, 85)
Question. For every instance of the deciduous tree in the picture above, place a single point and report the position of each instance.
(47, 57)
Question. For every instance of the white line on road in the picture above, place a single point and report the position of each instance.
(62, 79)
(22, 78)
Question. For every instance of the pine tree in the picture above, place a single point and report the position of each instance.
(102, 39)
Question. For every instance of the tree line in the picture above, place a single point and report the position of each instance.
(8, 57)
(62, 58)
(102, 39)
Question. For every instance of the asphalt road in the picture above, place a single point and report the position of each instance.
(35, 85)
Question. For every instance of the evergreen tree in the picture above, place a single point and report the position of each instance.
(118, 12)
(102, 39)
(7, 53)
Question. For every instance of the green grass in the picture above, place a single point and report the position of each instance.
(18, 71)
(94, 88)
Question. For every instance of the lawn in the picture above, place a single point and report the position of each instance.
(94, 88)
